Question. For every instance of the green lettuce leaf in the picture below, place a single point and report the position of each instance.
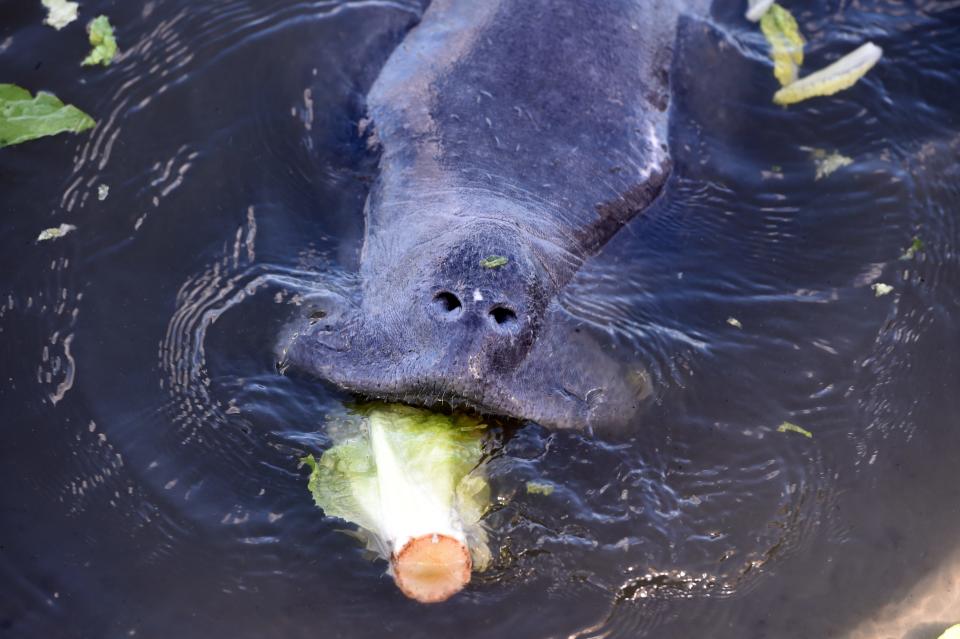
(24, 118)
(103, 41)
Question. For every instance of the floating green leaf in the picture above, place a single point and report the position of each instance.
(24, 118)
(840, 75)
(494, 261)
(60, 13)
(789, 427)
(103, 41)
(540, 488)
(734, 322)
(915, 247)
(786, 44)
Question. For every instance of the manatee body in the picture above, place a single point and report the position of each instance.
(526, 129)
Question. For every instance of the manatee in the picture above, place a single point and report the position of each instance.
(515, 138)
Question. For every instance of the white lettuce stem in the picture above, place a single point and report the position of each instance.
(408, 508)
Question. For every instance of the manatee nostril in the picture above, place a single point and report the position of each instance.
(447, 302)
(503, 316)
(317, 315)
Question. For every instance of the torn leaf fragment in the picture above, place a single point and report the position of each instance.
(60, 13)
(827, 163)
(840, 75)
(880, 289)
(102, 40)
(55, 232)
(786, 43)
(790, 427)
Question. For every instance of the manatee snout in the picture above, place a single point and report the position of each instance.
(483, 303)
(468, 320)
(466, 307)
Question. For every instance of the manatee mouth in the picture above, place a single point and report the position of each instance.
(563, 379)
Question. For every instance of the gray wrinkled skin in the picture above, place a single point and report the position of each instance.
(530, 129)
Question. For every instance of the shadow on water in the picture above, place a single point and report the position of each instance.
(149, 468)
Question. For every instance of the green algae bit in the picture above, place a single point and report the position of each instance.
(102, 40)
(782, 32)
(24, 117)
(413, 482)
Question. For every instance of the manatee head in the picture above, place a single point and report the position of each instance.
(465, 316)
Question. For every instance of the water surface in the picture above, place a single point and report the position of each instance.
(148, 463)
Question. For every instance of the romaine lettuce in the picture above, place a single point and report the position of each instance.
(413, 481)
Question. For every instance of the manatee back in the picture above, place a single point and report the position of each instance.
(561, 104)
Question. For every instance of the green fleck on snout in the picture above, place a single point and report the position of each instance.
(494, 261)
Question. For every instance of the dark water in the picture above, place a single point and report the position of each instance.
(148, 460)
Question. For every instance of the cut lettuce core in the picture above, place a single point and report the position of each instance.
(413, 481)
